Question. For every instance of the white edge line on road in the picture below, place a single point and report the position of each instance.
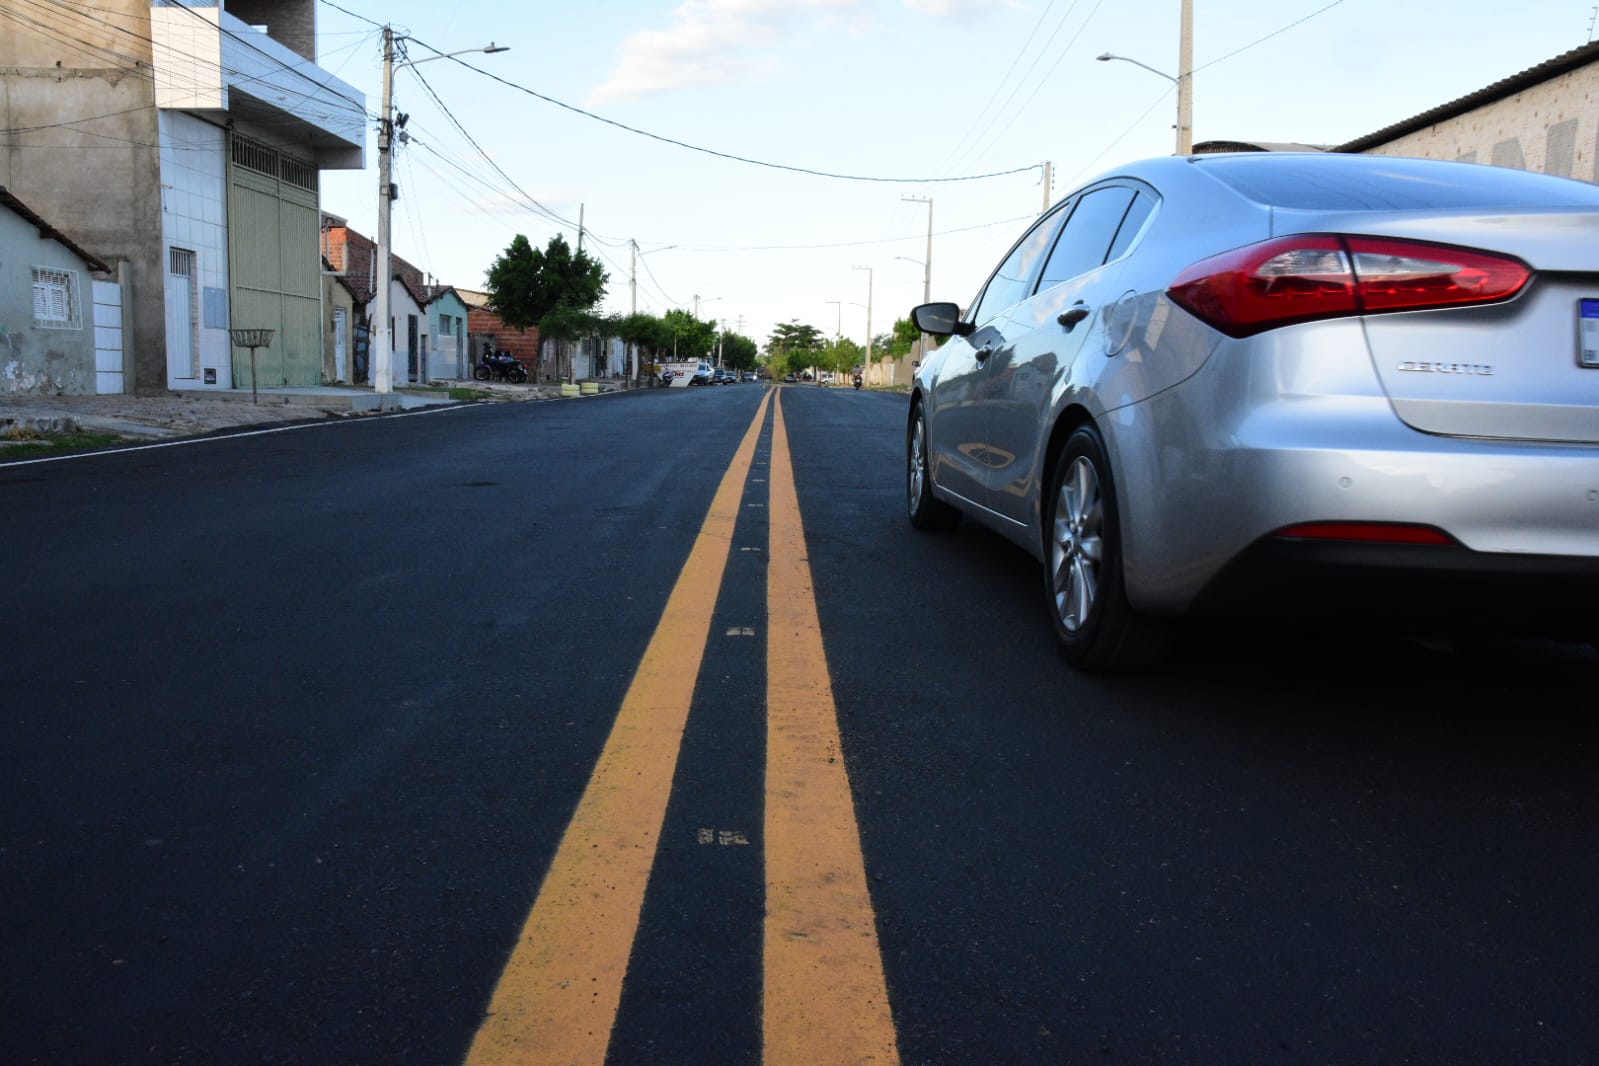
(231, 436)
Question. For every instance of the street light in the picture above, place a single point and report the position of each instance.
(927, 264)
(382, 364)
(868, 313)
(632, 352)
(706, 300)
(1184, 79)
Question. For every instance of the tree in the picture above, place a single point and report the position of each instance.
(644, 331)
(689, 337)
(904, 339)
(738, 351)
(793, 347)
(526, 285)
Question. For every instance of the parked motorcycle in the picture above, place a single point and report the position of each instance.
(501, 365)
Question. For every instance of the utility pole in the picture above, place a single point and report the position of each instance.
(632, 354)
(927, 264)
(382, 342)
(927, 261)
(869, 312)
(1185, 81)
(1049, 183)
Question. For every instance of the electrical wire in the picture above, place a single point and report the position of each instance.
(731, 156)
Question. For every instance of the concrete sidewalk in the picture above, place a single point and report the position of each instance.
(197, 412)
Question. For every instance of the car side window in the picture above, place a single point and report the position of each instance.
(1132, 225)
(1085, 242)
(1010, 284)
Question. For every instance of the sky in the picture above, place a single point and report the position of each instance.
(760, 162)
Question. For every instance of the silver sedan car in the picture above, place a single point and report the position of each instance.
(1317, 387)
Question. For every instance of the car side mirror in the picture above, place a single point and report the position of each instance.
(940, 319)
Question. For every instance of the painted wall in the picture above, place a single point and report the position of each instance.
(37, 360)
(97, 178)
(1552, 127)
(335, 298)
(450, 357)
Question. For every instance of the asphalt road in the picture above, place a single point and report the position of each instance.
(317, 740)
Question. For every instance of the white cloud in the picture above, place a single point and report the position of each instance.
(709, 42)
(956, 8)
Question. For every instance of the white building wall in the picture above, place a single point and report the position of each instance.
(194, 216)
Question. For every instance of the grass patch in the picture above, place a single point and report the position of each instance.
(31, 444)
(465, 395)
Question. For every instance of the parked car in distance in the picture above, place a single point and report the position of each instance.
(704, 374)
(1365, 392)
(790, 378)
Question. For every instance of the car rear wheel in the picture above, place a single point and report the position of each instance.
(1094, 624)
(925, 511)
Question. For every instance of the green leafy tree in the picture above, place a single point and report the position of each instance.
(793, 347)
(738, 351)
(646, 333)
(689, 337)
(903, 339)
(526, 286)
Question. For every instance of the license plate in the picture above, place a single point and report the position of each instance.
(1588, 333)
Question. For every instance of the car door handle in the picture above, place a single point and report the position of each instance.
(984, 352)
(1069, 319)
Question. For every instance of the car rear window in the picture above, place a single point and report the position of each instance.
(1335, 182)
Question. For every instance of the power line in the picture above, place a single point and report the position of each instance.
(729, 155)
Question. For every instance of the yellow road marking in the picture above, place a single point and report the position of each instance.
(556, 1001)
(826, 1000)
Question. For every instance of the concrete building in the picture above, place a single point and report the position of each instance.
(50, 307)
(182, 140)
(1545, 118)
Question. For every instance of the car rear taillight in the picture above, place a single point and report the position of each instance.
(1366, 533)
(1324, 275)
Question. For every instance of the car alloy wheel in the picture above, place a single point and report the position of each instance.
(926, 512)
(1076, 544)
(1096, 627)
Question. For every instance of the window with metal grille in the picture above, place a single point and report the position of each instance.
(265, 159)
(55, 299)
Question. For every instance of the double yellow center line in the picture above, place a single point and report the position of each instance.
(824, 999)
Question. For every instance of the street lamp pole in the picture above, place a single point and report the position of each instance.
(868, 313)
(1184, 80)
(927, 263)
(381, 341)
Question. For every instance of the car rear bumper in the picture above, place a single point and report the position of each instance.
(1201, 536)
(1439, 587)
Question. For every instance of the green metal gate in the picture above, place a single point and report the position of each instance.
(275, 263)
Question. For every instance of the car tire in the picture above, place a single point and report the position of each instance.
(925, 511)
(1096, 628)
